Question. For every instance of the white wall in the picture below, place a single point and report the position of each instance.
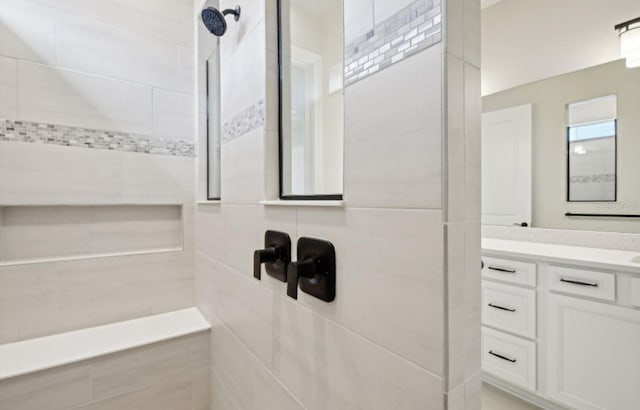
(407, 238)
(529, 40)
(113, 65)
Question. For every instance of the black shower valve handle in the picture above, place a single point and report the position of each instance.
(275, 256)
(261, 256)
(302, 269)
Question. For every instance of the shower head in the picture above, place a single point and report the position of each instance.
(214, 20)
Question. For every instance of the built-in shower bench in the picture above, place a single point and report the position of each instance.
(119, 365)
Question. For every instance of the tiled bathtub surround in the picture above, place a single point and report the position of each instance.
(248, 120)
(415, 28)
(41, 133)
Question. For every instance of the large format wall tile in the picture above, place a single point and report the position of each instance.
(28, 299)
(57, 389)
(168, 375)
(49, 174)
(235, 38)
(155, 179)
(246, 308)
(93, 292)
(168, 20)
(59, 96)
(46, 298)
(245, 226)
(394, 144)
(387, 8)
(97, 48)
(240, 381)
(329, 367)
(242, 74)
(147, 366)
(242, 169)
(27, 31)
(173, 115)
(8, 88)
(389, 277)
(358, 19)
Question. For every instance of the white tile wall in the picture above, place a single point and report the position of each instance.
(392, 153)
(8, 88)
(27, 31)
(99, 48)
(391, 264)
(462, 196)
(381, 343)
(59, 96)
(30, 233)
(329, 367)
(387, 8)
(49, 174)
(242, 73)
(358, 18)
(168, 20)
(115, 65)
(173, 115)
(172, 375)
(41, 299)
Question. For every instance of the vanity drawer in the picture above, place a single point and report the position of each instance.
(509, 308)
(510, 358)
(593, 284)
(522, 273)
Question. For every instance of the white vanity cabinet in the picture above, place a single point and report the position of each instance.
(593, 354)
(566, 329)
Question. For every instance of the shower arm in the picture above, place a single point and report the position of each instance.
(235, 12)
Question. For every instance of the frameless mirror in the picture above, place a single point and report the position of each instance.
(591, 137)
(311, 99)
(213, 126)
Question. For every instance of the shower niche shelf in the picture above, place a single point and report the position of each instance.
(41, 233)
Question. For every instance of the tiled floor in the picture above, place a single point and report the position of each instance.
(494, 399)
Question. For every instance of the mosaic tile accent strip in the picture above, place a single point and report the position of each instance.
(40, 133)
(411, 30)
(248, 120)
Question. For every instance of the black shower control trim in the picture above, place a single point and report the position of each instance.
(315, 270)
(276, 255)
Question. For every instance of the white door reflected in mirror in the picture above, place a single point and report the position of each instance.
(506, 166)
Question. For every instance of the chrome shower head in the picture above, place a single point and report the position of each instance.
(214, 20)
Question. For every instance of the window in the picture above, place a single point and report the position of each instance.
(592, 156)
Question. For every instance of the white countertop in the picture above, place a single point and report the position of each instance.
(56, 350)
(590, 257)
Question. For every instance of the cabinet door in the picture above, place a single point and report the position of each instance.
(593, 354)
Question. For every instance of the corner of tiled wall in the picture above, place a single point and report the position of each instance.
(462, 197)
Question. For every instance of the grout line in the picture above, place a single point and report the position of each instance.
(330, 321)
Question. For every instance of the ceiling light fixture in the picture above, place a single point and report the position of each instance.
(629, 33)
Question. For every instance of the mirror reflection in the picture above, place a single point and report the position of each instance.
(591, 135)
(311, 97)
(560, 124)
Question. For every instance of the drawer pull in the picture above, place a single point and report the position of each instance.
(580, 283)
(499, 356)
(503, 270)
(501, 307)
